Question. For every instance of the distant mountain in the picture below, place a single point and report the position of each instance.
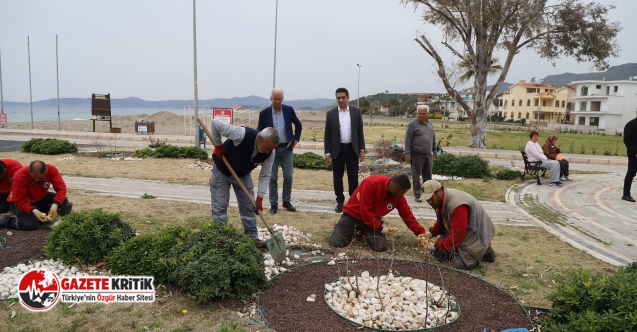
(615, 73)
(134, 102)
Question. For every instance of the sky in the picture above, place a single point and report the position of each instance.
(144, 49)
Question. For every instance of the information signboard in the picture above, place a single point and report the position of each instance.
(101, 107)
(223, 114)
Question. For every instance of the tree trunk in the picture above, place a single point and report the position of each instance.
(480, 107)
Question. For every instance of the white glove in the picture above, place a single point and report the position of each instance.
(431, 246)
(389, 230)
(53, 212)
(41, 216)
(429, 235)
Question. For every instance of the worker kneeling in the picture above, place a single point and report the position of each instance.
(376, 196)
(30, 201)
(465, 227)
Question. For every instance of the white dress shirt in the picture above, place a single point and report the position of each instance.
(345, 123)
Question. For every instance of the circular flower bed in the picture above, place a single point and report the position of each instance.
(391, 302)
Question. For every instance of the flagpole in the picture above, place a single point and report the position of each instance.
(30, 88)
(57, 71)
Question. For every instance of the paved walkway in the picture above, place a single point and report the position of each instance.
(586, 213)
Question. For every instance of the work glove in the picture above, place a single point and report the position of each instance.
(53, 212)
(41, 216)
(259, 204)
(431, 246)
(425, 238)
(389, 230)
(219, 151)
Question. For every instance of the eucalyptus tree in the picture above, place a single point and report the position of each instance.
(474, 29)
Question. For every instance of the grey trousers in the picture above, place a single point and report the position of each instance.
(220, 199)
(421, 165)
(554, 167)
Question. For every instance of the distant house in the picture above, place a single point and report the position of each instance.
(605, 105)
(538, 104)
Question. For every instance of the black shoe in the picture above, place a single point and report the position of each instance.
(274, 208)
(259, 244)
(68, 209)
(288, 206)
(339, 207)
(489, 256)
(628, 198)
(418, 199)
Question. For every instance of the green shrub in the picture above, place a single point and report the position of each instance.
(49, 146)
(470, 167)
(145, 153)
(171, 151)
(595, 302)
(86, 237)
(311, 160)
(217, 262)
(144, 254)
(28, 145)
(508, 174)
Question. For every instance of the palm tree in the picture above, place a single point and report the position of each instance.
(467, 65)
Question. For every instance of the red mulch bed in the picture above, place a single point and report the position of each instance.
(285, 307)
(22, 246)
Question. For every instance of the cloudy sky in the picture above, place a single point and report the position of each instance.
(145, 48)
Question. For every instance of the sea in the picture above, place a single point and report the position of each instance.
(48, 113)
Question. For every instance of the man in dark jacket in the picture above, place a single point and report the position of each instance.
(281, 117)
(344, 144)
(630, 139)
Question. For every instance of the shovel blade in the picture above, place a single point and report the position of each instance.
(276, 246)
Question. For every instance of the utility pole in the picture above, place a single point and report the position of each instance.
(358, 99)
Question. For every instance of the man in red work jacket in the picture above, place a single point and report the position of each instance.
(376, 196)
(30, 196)
(465, 227)
(8, 167)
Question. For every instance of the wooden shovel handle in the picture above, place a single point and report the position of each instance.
(236, 177)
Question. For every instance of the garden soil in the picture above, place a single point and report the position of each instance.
(285, 308)
(22, 246)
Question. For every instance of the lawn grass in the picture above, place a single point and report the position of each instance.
(528, 266)
(499, 136)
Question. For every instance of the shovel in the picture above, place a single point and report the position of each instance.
(276, 244)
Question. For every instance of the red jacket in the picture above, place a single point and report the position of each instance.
(370, 202)
(25, 190)
(12, 166)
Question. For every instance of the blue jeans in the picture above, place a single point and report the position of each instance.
(286, 158)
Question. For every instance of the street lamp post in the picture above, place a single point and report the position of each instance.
(358, 100)
(276, 21)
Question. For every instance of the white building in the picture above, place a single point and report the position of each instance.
(605, 105)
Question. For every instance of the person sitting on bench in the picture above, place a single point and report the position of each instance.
(534, 153)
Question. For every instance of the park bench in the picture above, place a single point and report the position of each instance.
(532, 168)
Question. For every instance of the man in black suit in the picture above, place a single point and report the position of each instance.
(281, 117)
(344, 144)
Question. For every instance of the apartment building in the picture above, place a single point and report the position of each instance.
(605, 105)
(538, 104)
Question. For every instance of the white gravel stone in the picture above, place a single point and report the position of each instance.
(390, 302)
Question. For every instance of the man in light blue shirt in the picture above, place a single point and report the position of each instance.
(281, 117)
